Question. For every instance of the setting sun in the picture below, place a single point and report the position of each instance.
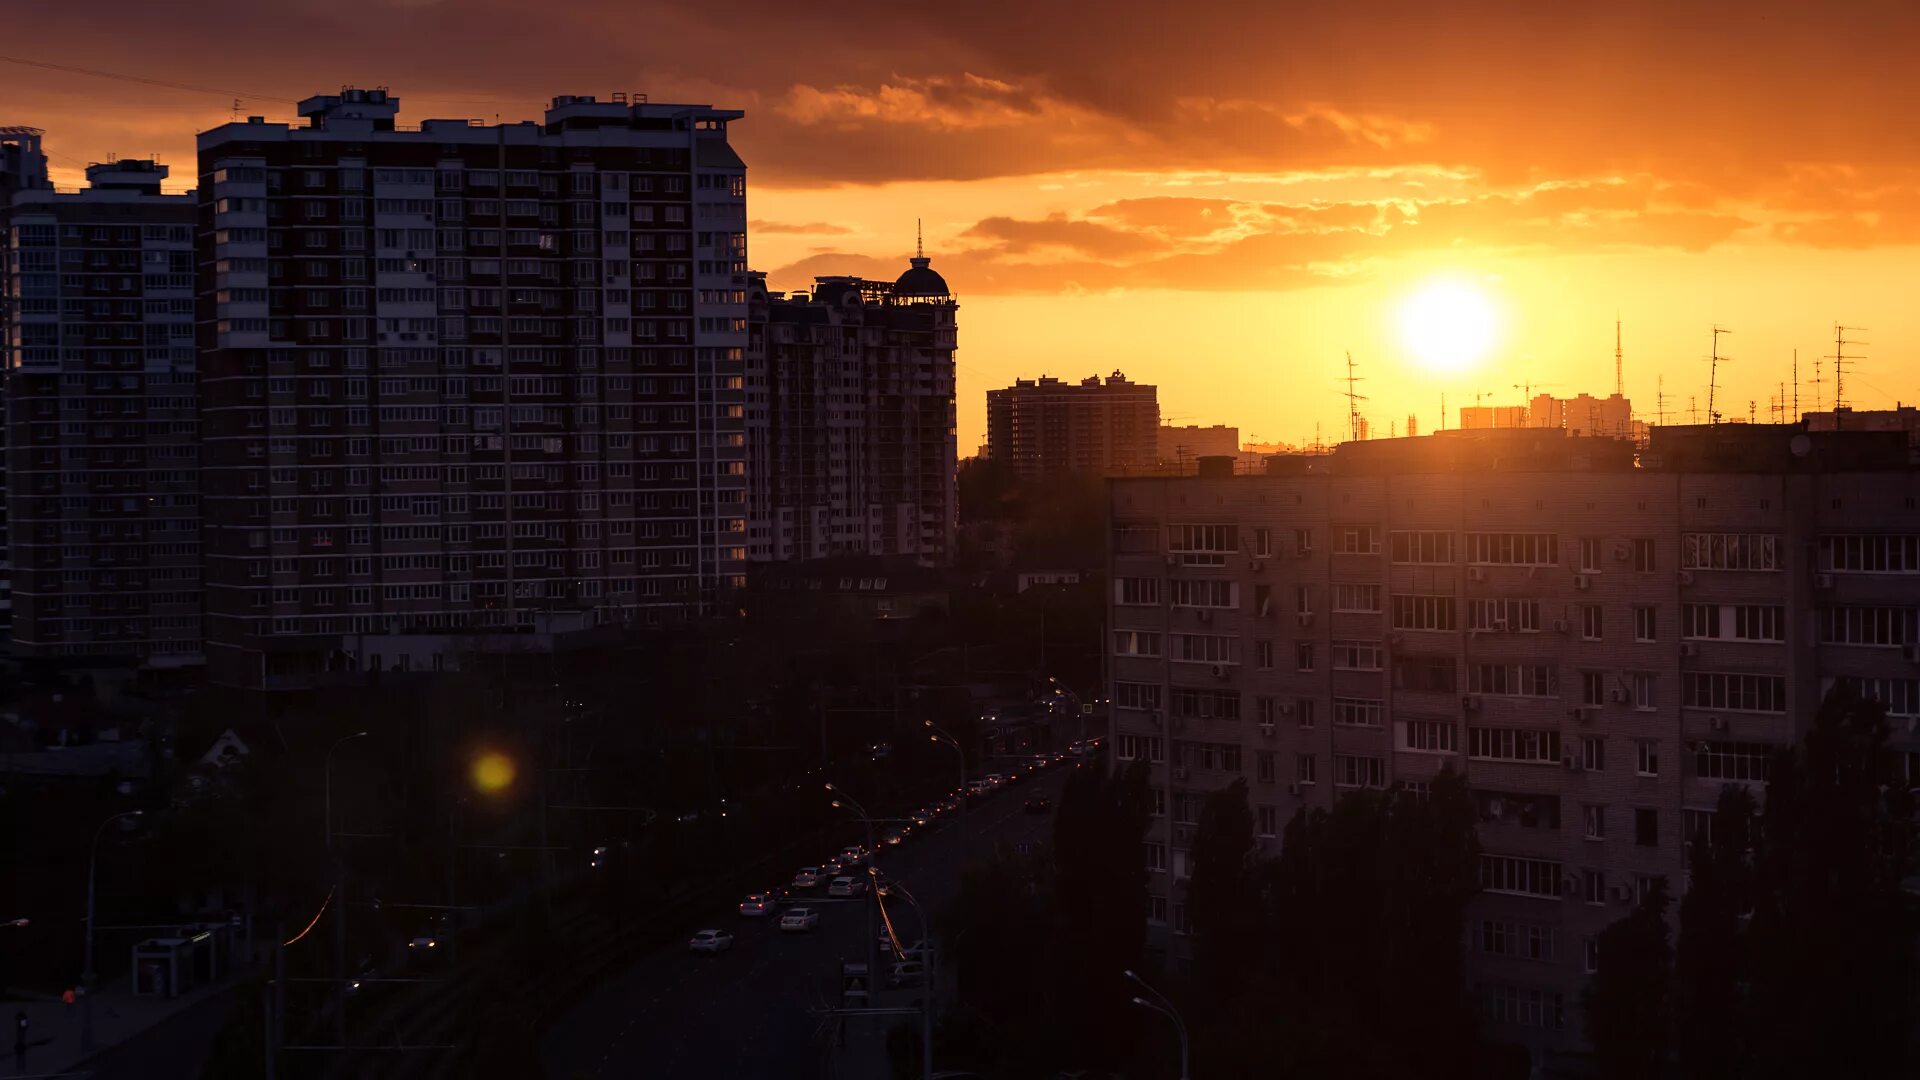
(1448, 324)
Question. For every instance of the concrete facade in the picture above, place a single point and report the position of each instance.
(1046, 426)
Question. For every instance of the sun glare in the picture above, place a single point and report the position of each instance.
(1448, 324)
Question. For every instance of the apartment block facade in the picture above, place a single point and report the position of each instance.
(102, 420)
(462, 376)
(850, 418)
(1045, 426)
(23, 167)
(1597, 642)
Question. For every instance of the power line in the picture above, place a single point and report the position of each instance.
(143, 80)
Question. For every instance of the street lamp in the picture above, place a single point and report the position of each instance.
(842, 799)
(940, 735)
(1165, 1008)
(926, 977)
(88, 976)
(339, 891)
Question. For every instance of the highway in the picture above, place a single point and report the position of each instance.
(752, 1012)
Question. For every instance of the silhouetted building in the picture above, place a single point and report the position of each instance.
(1047, 426)
(850, 418)
(1902, 418)
(23, 167)
(1187, 444)
(1491, 417)
(1597, 646)
(1583, 415)
(461, 375)
(103, 420)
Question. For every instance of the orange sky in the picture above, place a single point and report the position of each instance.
(1221, 198)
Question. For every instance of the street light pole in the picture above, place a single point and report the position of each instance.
(940, 735)
(926, 981)
(339, 895)
(1165, 1008)
(841, 798)
(88, 976)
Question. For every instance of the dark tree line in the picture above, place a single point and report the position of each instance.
(1796, 948)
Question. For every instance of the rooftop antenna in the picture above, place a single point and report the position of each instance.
(919, 240)
(1713, 372)
(1693, 409)
(1752, 414)
(1796, 386)
(1840, 358)
(1443, 411)
(1660, 400)
(1617, 384)
(1353, 401)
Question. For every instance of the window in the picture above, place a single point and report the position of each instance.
(1136, 643)
(1522, 1006)
(1646, 827)
(1646, 623)
(1432, 736)
(1139, 748)
(1429, 548)
(1353, 770)
(1870, 554)
(1203, 593)
(1518, 876)
(1592, 624)
(1302, 600)
(1593, 753)
(1262, 543)
(1643, 555)
(1303, 711)
(1205, 704)
(1900, 696)
(1733, 622)
(1889, 627)
(1729, 551)
(1520, 940)
(1263, 654)
(1593, 688)
(1434, 673)
(1132, 695)
(1513, 549)
(1646, 690)
(1513, 680)
(1593, 886)
(1595, 819)
(1357, 712)
(1647, 757)
(1353, 597)
(1206, 648)
(1356, 540)
(1591, 949)
(1136, 591)
(1423, 613)
(1303, 655)
(1203, 545)
(1589, 555)
(1356, 655)
(1304, 769)
(1303, 542)
(1156, 857)
(1513, 744)
(1263, 768)
(1734, 692)
(1269, 821)
(1503, 616)
(1724, 760)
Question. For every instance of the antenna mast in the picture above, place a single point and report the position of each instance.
(1713, 372)
(1796, 386)
(1353, 402)
(1660, 400)
(1618, 385)
(1840, 359)
(919, 240)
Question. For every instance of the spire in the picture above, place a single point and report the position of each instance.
(919, 241)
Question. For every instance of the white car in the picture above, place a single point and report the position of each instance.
(710, 941)
(806, 877)
(846, 886)
(757, 904)
(799, 919)
(851, 855)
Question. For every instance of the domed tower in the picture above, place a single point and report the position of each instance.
(921, 283)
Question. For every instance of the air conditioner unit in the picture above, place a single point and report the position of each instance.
(1823, 581)
(1686, 577)
(1293, 789)
(1204, 615)
(1470, 702)
(1910, 653)
(1499, 626)
(1572, 763)
(1220, 671)
(1579, 714)
(1267, 729)
(1303, 553)
(1623, 893)
(1179, 772)
(1257, 565)
(1622, 552)
(1570, 888)
(1582, 582)
(1306, 618)
(1561, 626)
(1476, 573)
(1717, 723)
(1396, 640)
(1172, 559)
(1155, 719)
(1618, 695)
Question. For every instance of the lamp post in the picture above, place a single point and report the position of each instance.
(940, 736)
(1165, 1008)
(926, 979)
(842, 799)
(339, 894)
(88, 976)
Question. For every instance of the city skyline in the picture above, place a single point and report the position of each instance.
(1146, 201)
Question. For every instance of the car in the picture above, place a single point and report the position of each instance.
(710, 941)
(598, 858)
(922, 818)
(846, 886)
(832, 868)
(996, 780)
(852, 854)
(799, 919)
(906, 972)
(423, 944)
(806, 877)
(894, 837)
(756, 905)
(1037, 804)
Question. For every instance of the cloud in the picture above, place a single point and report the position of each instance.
(811, 228)
(962, 102)
(1081, 238)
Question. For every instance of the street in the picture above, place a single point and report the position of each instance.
(751, 1012)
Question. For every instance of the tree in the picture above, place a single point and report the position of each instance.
(1710, 959)
(1223, 901)
(1100, 908)
(1832, 936)
(1627, 1001)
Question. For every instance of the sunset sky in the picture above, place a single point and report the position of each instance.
(1221, 198)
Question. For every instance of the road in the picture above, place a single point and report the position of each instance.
(750, 1013)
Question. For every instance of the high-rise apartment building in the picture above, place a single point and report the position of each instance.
(102, 420)
(850, 418)
(1185, 445)
(1598, 645)
(23, 166)
(1047, 426)
(1585, 414)
(460, 377)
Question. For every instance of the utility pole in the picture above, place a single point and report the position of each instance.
(1618, 384)
(1353, 402)
(1840, 360)
(1660, 400)
(1796, 386)
(1713, 372)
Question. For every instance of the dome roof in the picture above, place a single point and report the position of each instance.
(921, 280)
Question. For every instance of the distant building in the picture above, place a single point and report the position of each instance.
(1047, 426)
(23, 167)
(1489, 417)
(1583, 415)
(1185, 445)
(850, 418)
(103, 423)
(1904, 418)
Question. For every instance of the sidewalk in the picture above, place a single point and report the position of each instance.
(53, 1028)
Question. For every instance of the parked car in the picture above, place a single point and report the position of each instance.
(799, 919)
(806, 877)
(710, 941)
(846, 886)
(907, 972)
(756, 905)
(894, 837)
